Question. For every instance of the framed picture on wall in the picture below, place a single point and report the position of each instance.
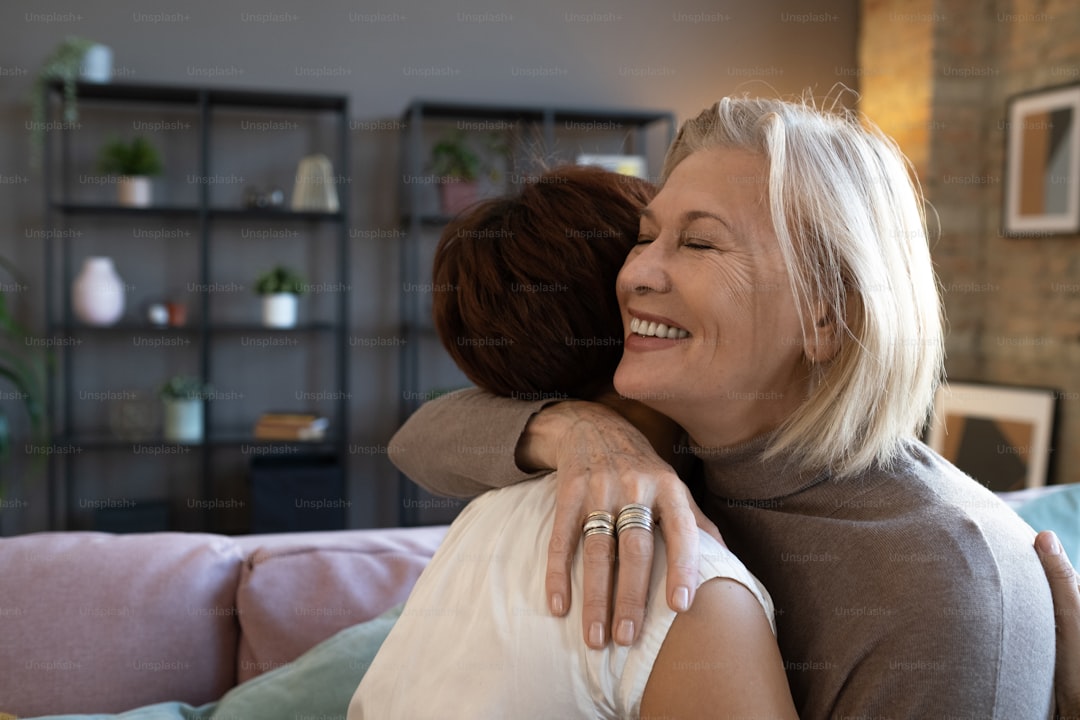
(1042, 163)
(1000, 435)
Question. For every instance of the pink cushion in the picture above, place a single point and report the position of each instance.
(296, 591)
(97, 623)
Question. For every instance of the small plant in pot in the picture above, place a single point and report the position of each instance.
(183, 396)
(72, 60)
(458, 168)
(280, 289)
(134, 163)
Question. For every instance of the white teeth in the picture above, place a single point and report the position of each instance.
(652, 329)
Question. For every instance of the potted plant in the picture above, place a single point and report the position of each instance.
(458, 168)
(22, 365)
(68, 63)
(183, 396)
(133, 163)
(281, 289)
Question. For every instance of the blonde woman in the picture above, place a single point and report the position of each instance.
(782, 308)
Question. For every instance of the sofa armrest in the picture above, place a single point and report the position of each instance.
(99, 623)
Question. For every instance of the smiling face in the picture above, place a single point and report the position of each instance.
(707, 274)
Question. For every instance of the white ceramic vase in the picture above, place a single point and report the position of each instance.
(97, 64)
(279, 310)
(134, 190)
(97, 295)
(183, 421)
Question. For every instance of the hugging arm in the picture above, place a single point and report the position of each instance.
(470, 441)
(1066, 596)
(463, 443)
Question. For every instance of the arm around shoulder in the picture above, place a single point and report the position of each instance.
(719, 660)
(463, 443)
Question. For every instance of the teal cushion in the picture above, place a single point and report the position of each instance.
(1058, 511)
(319, 683)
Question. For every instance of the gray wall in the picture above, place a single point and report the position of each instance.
(633, 54)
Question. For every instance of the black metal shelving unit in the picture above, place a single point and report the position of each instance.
(551, 134)
(61, 209)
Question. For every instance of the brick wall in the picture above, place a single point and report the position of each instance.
(1013, 305)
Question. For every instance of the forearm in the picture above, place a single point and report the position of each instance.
(464, 443)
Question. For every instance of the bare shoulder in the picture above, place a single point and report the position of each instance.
(724, 649)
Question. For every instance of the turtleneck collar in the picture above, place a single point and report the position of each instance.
(741, 471)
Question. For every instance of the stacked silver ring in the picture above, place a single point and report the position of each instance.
(599, 523)
(634, 516)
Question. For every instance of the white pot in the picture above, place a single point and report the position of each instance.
(184, 421)
(134, 190)
(279, 310)
(97, 295)
(97, 64)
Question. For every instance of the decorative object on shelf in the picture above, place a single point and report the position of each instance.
(23, 366)
(314, 188)
(1042, 163)
(633, 165)
(96, 66)
(459, 168)
(133, 163)
(270, 199)
(307, 427)
(281, 289)
(183, 397)
(97, 295)
(177, 313)
(135, 417)
(157, 314)
(1000, 435)
(65, 64)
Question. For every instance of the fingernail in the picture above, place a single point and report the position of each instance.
(1049, 544)
(624, 635)
(682, 598)
(557, 606)
(596, 634)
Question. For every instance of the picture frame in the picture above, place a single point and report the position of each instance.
(1000, 435)
(1042, 163)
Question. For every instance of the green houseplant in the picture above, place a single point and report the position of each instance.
(134, 163)
(64, 64)
(183, 396)
(280, 288)
(459, 168)
(23, 365)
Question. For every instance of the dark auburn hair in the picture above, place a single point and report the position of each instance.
(524, 285)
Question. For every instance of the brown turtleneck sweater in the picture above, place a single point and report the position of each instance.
(910, 592)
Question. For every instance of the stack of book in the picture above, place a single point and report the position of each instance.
(291, 426)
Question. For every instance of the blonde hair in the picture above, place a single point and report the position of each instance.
(849, 219)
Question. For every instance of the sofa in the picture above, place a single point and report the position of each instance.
(99, 623)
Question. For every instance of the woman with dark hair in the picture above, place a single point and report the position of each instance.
(781, 306)
(524, 316)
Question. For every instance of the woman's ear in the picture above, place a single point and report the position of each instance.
(821, 335)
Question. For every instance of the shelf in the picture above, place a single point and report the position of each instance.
(220, 96)
(451, 110)
(192, 211)
(213, 223)
(276, 215)
(123, 210)
(161, 447)
(222, 328)
(240, 327)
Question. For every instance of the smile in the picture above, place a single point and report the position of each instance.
(660, 330)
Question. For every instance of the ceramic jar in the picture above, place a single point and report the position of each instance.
(97, 295)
